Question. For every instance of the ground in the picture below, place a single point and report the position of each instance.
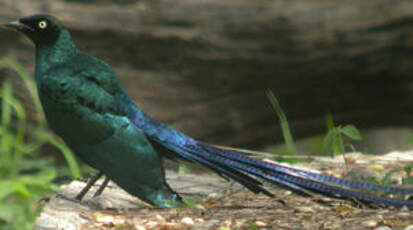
(217, 204)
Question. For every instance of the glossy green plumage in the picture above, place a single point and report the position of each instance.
(81, 97)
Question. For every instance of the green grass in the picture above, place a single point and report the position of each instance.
(26, 175)
(285, 127)
(335, 141)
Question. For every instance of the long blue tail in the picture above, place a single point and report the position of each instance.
(314, 176)
(247, 171)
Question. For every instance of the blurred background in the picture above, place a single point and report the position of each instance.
(204, 67)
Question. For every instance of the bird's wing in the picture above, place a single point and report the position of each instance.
(86, 95)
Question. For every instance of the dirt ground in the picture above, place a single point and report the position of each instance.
(217, 204)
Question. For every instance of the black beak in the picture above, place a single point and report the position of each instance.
(18, 26)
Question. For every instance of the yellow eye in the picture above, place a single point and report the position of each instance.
(42, 24)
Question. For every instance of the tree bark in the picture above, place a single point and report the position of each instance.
(203, 66)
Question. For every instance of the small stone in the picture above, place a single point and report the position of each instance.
(260, 224)
(139, 227)
(304, 209)
(370, 223)
(238, 224)
(210, 223)
(187, 221)
(212, 195)
(118, 221)
(200, 220)
(227, 223)
(106, 219)
(151, 224)
(159, 218)
(383, 228)
(403, 214)
(287, 193)
(171, 226)
(200, 207)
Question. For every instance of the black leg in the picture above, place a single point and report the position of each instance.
(91, 182)
(102, 187)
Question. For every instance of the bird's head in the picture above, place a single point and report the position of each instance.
(41, 29)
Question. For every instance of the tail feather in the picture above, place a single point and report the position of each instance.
(315, 176)
(284, 176)
(222, 169)
(331, 190)
(243, 169)
(300, 180)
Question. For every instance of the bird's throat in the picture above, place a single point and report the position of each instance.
(50, 55)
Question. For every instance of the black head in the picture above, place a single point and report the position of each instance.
(41, 29)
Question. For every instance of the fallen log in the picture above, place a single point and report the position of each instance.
(203, 66)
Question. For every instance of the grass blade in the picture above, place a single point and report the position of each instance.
(285, 127)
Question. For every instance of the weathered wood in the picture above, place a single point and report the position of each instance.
(203, 66)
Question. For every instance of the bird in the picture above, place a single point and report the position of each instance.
(86, 105)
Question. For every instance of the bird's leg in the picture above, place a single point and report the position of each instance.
(91, 182)
(102, 187)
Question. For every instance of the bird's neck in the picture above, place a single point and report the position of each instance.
(51, 55)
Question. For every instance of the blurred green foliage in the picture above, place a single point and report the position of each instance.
(285, 127)
(407, 180)
(25, 175)
(339, 137)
